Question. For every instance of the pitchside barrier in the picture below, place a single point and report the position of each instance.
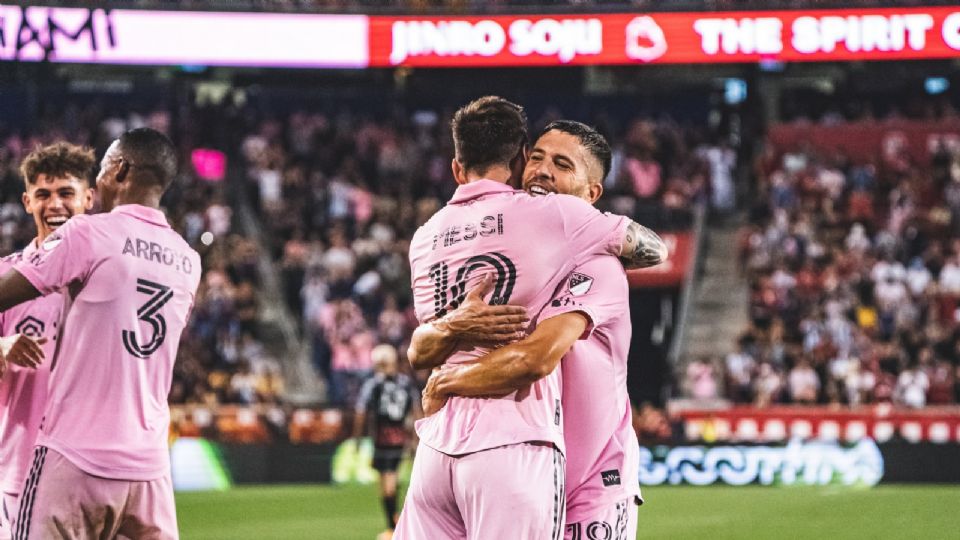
(782, 446)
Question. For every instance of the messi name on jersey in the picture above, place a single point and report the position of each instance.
(464, 232)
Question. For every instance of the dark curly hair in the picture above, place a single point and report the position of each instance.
(58, 160)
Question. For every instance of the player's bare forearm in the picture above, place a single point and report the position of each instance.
(15, 290)
(496, 375)
(514, 366)
(430, 345)
(642, 248)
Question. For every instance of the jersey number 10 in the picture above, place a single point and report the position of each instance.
(498, 263)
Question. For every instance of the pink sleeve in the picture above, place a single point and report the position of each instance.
(64, 257)
(592, 290)
(588, 231)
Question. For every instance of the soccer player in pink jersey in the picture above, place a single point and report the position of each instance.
(57, 179)
(493, 467)
(101, 466)
(602, 466)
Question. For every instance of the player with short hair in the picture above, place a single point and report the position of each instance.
(101, 466)
(493, 467)
(386, 400)
(57, 181)
(603, 457)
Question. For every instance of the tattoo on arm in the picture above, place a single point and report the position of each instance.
(642, 247)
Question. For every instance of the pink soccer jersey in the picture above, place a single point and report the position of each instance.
(530, 244)
(603, 455)
(23, 391)
(130, 282)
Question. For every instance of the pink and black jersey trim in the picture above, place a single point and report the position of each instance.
(559, 495)
(22, 525)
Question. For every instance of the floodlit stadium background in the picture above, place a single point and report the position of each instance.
(798, 358)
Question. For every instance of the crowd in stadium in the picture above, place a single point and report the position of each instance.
(854, 274)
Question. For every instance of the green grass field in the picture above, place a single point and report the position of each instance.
(353, 513)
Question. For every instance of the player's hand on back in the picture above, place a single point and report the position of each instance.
(478, 322)
(431, 400)
(22, 350)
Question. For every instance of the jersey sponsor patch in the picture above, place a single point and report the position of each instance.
(30, 326)
(579, 284)
(610, 478)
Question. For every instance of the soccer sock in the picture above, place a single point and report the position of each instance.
(390, 507)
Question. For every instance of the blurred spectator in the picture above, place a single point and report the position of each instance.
(722, 159)
(702, 379)
(803, 383)
(740, 368)
(767, 386)
(351, 343)
(912, 386)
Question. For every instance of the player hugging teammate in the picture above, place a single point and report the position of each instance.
(492, 453)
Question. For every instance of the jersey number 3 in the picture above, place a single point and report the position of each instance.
(149, 313)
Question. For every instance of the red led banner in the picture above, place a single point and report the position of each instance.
(681, 250)
(665, 38)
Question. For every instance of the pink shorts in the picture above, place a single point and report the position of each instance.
(8, 508)
(615, 521)
(61, 501)
(513, 491)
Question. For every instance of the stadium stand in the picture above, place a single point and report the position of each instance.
(852, 262)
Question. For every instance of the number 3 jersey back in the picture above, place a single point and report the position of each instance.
(129, 281)
(530, 244)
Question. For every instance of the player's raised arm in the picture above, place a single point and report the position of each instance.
(642, 247)
(509, 368)
(473, 322)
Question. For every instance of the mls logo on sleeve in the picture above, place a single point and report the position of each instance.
(51, 242)
(579, 284)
